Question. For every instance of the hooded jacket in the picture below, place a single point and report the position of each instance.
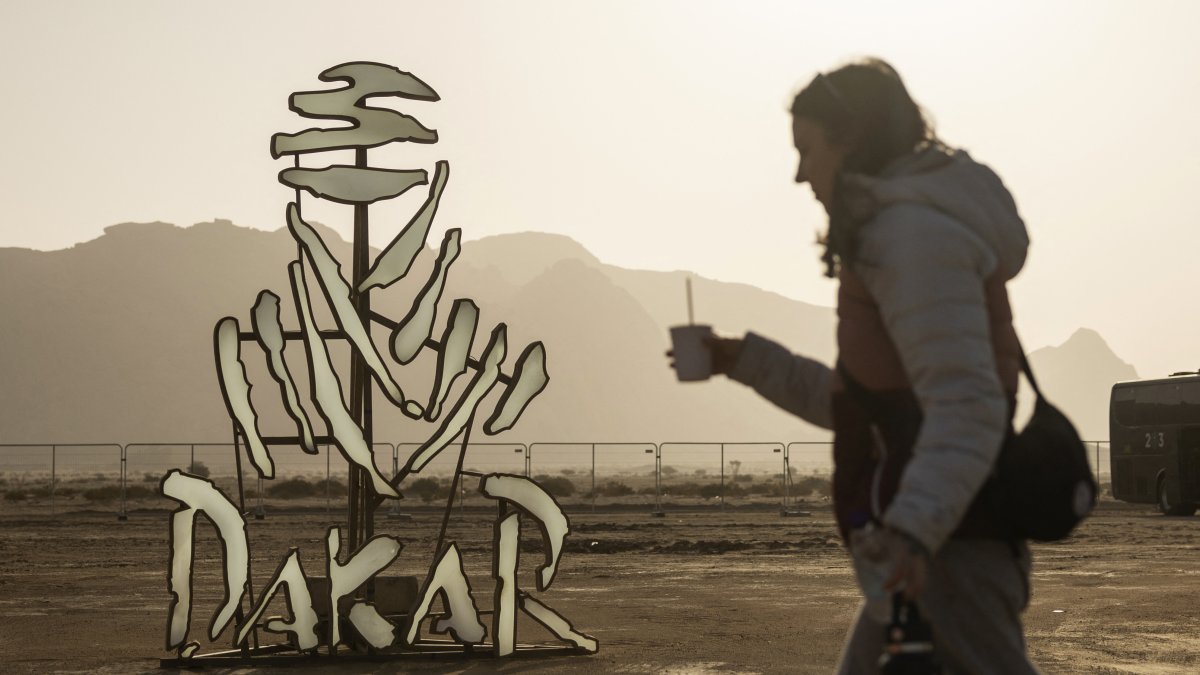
(938, 227)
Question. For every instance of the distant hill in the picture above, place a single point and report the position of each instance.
(111, 340)
(1080, 373)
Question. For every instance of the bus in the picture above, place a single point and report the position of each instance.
(1154, 436)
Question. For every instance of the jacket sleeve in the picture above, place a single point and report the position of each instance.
(926, 273)
(795, 383)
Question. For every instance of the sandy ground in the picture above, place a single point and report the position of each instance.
(703, 590)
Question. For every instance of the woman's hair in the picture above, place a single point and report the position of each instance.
(865, 107)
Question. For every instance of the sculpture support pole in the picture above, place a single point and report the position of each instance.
(361, 499)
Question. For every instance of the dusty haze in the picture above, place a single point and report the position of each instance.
(653, 133)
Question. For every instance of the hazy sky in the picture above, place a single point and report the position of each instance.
(653, 132)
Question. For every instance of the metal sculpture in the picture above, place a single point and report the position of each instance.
(349, 624)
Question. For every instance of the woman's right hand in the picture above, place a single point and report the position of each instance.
(725, 353)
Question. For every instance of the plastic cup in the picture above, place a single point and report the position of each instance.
(693, 358)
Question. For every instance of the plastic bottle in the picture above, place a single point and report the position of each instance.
(908, 648)
(872, 567)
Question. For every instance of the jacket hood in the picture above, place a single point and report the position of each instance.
(952, 182)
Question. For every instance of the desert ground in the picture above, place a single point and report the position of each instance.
(704, 589)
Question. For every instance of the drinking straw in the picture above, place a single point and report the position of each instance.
(688, 283)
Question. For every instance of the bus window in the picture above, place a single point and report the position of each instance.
(1162, 403)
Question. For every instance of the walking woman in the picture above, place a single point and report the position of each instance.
(922, 239)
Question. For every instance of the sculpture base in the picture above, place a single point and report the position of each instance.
(286, 655)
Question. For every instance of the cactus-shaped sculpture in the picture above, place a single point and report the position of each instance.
(349, 426)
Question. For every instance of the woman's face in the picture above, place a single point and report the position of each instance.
(820, 158)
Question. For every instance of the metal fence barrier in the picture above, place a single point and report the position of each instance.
(723, 495)
(32, 464)
(645, 448)
(133, 470)
(1100, 458)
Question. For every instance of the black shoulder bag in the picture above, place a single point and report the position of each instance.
(1041, 486)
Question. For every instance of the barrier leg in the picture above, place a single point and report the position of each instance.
(259, 512)
(123, 515)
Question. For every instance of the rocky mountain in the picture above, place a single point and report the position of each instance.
(1078, 376)
(111, 340)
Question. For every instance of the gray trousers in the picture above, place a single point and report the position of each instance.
(974, 597)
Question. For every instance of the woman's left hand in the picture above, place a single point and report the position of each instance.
(910, 564)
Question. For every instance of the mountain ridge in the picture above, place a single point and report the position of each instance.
(112, 338)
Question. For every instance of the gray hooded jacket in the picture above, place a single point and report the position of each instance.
(942, 225)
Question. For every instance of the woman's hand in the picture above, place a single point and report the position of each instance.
(725, 352)
(910, 564)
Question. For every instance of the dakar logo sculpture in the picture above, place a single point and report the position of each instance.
(335, 612)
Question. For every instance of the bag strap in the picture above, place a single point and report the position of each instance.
(1028, 370)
